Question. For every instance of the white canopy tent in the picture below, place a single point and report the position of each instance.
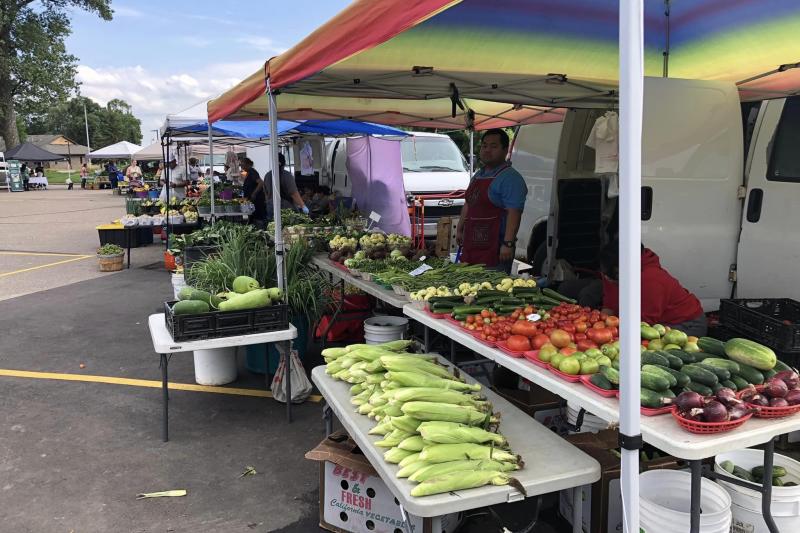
(120, 150)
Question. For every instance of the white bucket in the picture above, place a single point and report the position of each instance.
(785, 504)
(591, 423)
(380, 329)
(178, 282)
(665, 501)
(215, 367)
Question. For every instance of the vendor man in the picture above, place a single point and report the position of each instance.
(177, 179)
(290, 196)
(495, 198)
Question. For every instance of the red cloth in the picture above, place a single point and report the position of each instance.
(664, 299)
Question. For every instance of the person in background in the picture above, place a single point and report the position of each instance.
(23, 173)
(39, 170)
(84, 175)
(253, 190)
(159, 176)
(134, 173)
(68, 183)
(495, 198)
(177, 179)
(113, 174)
(290, 196)
(195, 172)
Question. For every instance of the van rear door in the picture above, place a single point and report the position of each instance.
(769, 245)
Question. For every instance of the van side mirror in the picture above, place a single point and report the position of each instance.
(647, 203)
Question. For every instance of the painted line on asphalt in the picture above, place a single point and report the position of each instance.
(43, 253)
(144, 383)
(79, 258)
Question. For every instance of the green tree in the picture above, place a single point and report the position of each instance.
(35, 68)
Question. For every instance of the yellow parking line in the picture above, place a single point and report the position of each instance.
(79, 258)
(143, 383)
(41, 253)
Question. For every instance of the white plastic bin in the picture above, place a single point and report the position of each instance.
(665, 501)
(215, 367)
(746, 503)
(380, 329)
(178, 282)
(591, 423)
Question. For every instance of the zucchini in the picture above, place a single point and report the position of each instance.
(460, 318)
(467, 310)
(700, 375)
(490, 292)
(750, 353)
(549, 301)
(442, 308)
(557, 296)
(650, 398)
(711, 345)
(610, 374)
(190, 307)
(650, 357)
(599, 380)
(661, 371)
(721, 373)
(727, 364)
(654, 382)
(674, 361)
(512, 301)
(750, 374)
(740, 382)
(699, 388)
(449, 299)
(686, 357)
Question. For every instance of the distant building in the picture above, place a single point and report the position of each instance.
(61, 145)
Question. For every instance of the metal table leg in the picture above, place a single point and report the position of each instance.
(766, 488)
(288, 353)
(577, 510)
(697, 476)
(165, 397)
(128, 242)
(427, 338)
(327, 417)
(452, 351)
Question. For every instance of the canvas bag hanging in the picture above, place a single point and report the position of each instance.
(301, 386)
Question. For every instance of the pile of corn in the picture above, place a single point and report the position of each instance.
(436, 427)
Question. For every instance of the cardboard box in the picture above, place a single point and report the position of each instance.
(545, 407)
(354, 499)
(602, 501)
(444, 233)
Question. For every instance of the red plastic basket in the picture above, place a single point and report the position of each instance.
(562, 375)
(503, 346)
(594, 388)
(706, 428)
(477, 335)
(436, 315)
(340, 266)
(770, 412)
(454, 322)
(649, 411)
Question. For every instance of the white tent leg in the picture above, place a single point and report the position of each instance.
(276, 191)
(211, 162)
(631, 87)
(471, 152)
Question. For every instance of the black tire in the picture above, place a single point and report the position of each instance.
(538, 259)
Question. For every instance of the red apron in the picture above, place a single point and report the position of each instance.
(482, 225)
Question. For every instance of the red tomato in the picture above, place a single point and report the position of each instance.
(603, 316)
(581, 327)
(485, 313)
(583, 345)
(470, 319)
(614, 331)
(519, 343)
(569, 328)
(539, 340)
(612, 321)
(600, 335)
(580, 337)
(599, 325)
(645, 343)
(568, 350)
(560, 338)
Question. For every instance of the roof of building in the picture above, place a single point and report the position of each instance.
(58, 144)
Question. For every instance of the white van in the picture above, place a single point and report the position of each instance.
(721, 224)
(432, 164)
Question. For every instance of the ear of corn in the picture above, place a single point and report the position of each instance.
(333, 368)
(406, 423)
(396, 455)
(393, 439)
(347, 361)
(396, 346)
(427, 411)
(384, 428)
(412, 444)
(401, 363)
(409, 459)
(415, 378)
(438, 469)
(466, 479)
(375, 366)
(411, 468)
(333, 353)
(365, 408)
(431, 394)
(356, 389)
(375, 379)
(451, 433)
(442, 453)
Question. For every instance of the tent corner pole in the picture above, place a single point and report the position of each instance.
(211, 163)
(631, 88)
(471, 151)
(276, 193)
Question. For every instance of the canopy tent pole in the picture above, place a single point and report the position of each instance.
(276, 192)
(471, 152)
(211, 163)
(631, 88)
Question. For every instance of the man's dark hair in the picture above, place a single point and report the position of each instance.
(247, 162)
(281, 160)
(504, 140)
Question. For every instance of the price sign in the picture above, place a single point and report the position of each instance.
(375, 217)
(534, 317)
(420, 270)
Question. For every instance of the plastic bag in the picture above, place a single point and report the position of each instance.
(301, 386)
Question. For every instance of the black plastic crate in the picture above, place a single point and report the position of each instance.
(139, 235)
(216, 324)
(193, 254)
(771, 321)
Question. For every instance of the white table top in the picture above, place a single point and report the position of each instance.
(551, 463)
(661, 431)
(163, 343)
(369, 287)
(217, 214)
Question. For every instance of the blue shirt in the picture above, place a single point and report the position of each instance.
(507, 191)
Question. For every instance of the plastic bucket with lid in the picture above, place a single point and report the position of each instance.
(380, 329)
(746, 508)
(215, 367)
(665, 501)
(591, 423)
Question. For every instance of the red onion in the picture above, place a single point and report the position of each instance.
(715, 412)
(789, 377)
(759, 400)
(793, 397)
(776, 388)
(725, 395)
(739, 410)
(688, 400)
(748, 392)
(778, 402)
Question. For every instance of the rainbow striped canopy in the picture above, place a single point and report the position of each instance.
(528, 55)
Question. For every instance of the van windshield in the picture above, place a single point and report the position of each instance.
(431, 154)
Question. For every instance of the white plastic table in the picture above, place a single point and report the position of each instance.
(165, 346)
(387, 296)
(661, 431)
(551, 464)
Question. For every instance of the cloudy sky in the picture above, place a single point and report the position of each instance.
(165, 57)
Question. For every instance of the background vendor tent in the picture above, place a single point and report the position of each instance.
(120, 150)
(31, 153)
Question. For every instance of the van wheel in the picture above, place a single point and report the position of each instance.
(538, 259)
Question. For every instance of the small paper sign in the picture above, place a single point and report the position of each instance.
(419, 270)
(375, 217)
(534, 317)
(423, 258)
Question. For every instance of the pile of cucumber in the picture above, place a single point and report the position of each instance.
(501, 302)
(666, 374)
(756, 475)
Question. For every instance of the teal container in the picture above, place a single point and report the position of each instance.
(257, 353)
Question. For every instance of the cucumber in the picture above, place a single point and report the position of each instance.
(650, 357)
(467, 310)
(654, 381)
(451, 299)
(512, 301)
(750, 353)
(711, 345)
(681, 379)
(768, 373)
(730, 384)
(599, 380)
(740, 382)
(721, 373)
(650, 398)
(610, 374)
(661, 371)
(750, 374)
(675, 362)
(686, 357)
(717, 362)
(700, 375)
(781, 366)
(743, 474)
(557, 296)
(777, 471)
(442, 308)
(190, 307)
(699, 356)
(699, 388)
(717, 387)
(490, 292)
(727, 466)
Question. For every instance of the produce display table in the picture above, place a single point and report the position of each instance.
(661, 431)
(165, 346)
(385, 295)
(551, 464)
(39, 181)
